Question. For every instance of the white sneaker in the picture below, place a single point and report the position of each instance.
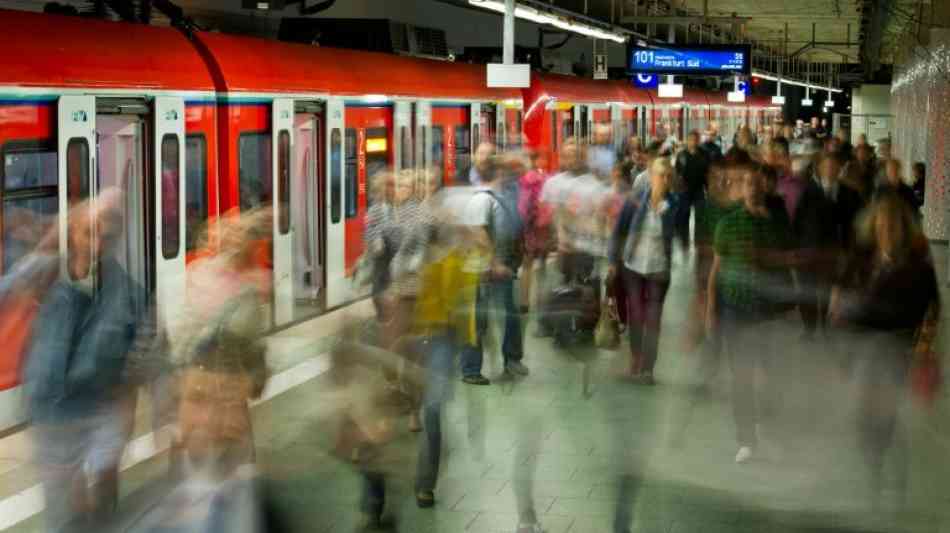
(744, 454)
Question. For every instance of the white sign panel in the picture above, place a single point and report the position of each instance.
(512, 76)
(670, 90)
(807, 102)
(778, 100)
(600, 66)
(736, 97)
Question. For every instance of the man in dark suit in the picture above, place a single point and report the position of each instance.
(835, 209)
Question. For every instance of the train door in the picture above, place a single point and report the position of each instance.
(618, 127)
(282, 146)
(306, 202)
(403, 146)
(333, 214)
(513, 135)
(120, 165)
(366, 154)
(423, 121)
(475, 120)
(489, 128)
(451, 146)
(77, 142)
(581, 127)
(501, 128)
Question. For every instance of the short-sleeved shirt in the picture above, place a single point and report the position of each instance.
(585, 198)
(556, 189)
(486, 209)
(744, 283)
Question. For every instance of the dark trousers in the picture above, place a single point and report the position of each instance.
(439, 352)
(374, 493)
(815, 296)
(882, 366)
(645, 296)
(747, 339)
(497, 295)
(682, 218)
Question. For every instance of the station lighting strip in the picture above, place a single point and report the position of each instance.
(540, 17)
(786, 81)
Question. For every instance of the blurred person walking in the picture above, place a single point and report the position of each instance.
(640, 252)
(692, 165)
(475, 174)
(537, 227)
(495, 229)
(74, 372)
(749, 273)
(887, 294)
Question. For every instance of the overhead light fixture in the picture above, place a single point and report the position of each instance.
(807, 101)
(778, 100)
(540, 17)
(787, 81)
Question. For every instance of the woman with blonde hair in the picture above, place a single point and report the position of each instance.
(640, 252)
(888, 298)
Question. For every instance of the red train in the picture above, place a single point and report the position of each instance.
(191, 127)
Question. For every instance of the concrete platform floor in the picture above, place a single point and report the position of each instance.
(807, 476)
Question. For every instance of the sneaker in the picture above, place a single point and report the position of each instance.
(515, 367)
(425, 499)
(476, 379)
(643, 378)
(744, 454)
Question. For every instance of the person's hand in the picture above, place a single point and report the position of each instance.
(501, 272)
(611, 273)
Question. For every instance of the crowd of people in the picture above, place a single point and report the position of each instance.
(787, 225)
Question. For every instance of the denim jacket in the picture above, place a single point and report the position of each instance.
(631, 218)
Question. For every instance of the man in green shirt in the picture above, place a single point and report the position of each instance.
(748, 285)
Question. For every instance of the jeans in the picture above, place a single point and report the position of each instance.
(374, 493)
(439, 352)
(645, 296)
(497, 296)
(748, 341)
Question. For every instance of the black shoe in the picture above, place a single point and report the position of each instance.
(476, 379)
(517, 368)
(425, 499)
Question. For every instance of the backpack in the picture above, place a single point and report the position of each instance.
(504, 219)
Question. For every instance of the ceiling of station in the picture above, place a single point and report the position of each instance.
(764, 21)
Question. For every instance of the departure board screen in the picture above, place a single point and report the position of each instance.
(699, 60)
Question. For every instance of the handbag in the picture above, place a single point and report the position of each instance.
(607, 332)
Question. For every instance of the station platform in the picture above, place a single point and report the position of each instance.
(808, 475)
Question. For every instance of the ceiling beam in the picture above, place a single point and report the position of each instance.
(683, 20)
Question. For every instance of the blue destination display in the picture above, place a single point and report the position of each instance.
(692, 60)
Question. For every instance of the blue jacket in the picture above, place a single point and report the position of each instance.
(631, 219)
(80, 343)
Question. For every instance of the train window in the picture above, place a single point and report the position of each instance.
(377, 157)
(554, 131)
(351, 176)
(30, 177)
(77, 170)
(170, 191)
(405, 140)
(463, 150)
(476, 140)
(254, 170)
(422, 142)
(438, 148)
(568, 127)
(196, 189)
(283, 182)
(336, 154)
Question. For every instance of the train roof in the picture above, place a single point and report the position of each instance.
(258, 65)
(580, 90)
(76, 52)
(41, 50)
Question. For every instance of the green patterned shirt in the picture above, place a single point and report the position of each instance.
(744, 282)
